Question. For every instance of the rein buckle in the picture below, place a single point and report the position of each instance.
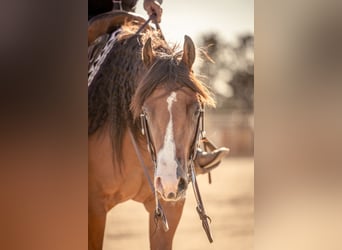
(159, 214)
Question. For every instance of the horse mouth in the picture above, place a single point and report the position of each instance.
(180, 194)
(177, 197)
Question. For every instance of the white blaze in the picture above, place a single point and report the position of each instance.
(166, 157)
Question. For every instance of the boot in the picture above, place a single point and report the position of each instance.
(207, 161)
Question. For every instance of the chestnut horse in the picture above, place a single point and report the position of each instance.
(142, 75)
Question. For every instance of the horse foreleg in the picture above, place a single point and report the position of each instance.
(159, 239)
(96, 226)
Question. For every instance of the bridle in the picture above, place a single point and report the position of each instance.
(199, 134)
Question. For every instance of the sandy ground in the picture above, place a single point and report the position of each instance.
(229, 201)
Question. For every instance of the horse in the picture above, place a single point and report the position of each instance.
(143, 84)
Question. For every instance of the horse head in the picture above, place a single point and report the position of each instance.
(169, 99)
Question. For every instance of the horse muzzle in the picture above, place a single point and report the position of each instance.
(171, 189)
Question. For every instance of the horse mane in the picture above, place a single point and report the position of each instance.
(122, 85)
(168, 70)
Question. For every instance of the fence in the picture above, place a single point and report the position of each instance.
(233, 130)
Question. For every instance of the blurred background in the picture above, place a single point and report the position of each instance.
(44, 182)
(225, 30)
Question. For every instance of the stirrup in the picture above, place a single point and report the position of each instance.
(209, 146)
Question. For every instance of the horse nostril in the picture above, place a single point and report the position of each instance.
(182, 185)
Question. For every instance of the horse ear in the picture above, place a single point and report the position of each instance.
(189, 52)
(148, 55)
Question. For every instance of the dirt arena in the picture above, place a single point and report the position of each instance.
(229, 201)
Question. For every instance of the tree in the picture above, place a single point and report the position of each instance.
(232, 75)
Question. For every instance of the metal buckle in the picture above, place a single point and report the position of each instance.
(159, 214)
(142, 122)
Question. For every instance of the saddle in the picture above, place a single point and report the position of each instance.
(107, 22)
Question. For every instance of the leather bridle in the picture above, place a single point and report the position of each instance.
(199, 134)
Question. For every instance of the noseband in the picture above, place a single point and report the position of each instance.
(199, 134)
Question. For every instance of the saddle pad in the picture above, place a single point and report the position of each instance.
(98, 54)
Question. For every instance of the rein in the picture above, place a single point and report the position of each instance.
(199, 134)
(142, 27)
(159, 213)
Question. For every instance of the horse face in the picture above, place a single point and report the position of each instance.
(172, 117)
